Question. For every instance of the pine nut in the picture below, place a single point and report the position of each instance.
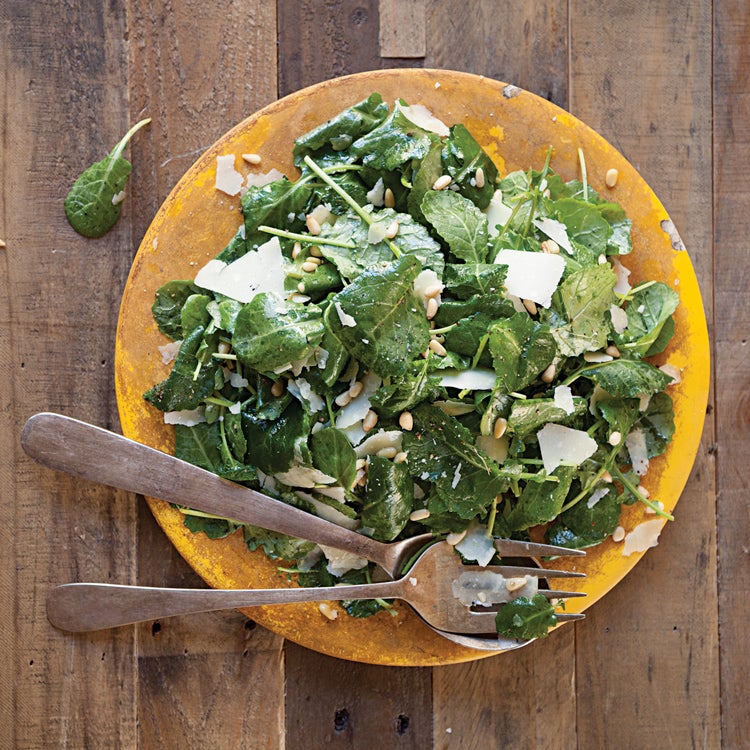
(618, 534)
(499, 428)
(432, 308)
(312, 225)
(530, 306)
(438, 348)
(602, 259)
(301, 287)
(613, 351)
(356, 388)
(455, 537)
(309, 267)
(392, 230)
(224, 347)
(361, 463)
(313, 259)
(278, 388)
(549, 374)
(370, 420)
(406, 421)
(442, 182)
(615, 438)
(400, 457)
(514, 584)
(316, 252)
(389, 199)
(481, 597)
(296, 250)
(479, 178)
(651, 512)
(433, 291)
(606, 477)
(251, 158)
(342, 399)
(610, 178)
(643, 492)
(387, 452)
(328, 611)
(419, 515)
(550, 247)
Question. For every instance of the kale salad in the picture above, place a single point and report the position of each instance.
(402, 340)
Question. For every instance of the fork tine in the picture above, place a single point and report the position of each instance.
(483, 623)
(516, 571)
(517, 548)
(569, 616)
(560, 594)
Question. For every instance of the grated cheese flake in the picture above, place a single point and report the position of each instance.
(643, 537)
(560, 444)
(532, 276)
(228, 179)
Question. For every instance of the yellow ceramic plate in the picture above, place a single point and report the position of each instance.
(516, 128)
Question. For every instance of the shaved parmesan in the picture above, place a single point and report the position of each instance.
(643, 537)
(560, 444)
(485, 588)
(477, 544)
(423, 118)
(556, 231)
(596, 496)
(427, 281)
(237, 381)
(378, 441)
(258, 180)
(340, 562)
(322, 214)
(358, 407)
(377, 232)
(376, 195)
(564, 399)
(622, 285)
(186, 417)
(477, 379)
(635, 442)
(497, 214)
(344, 317)
(495, 448)
(303, 392)
(303, 476)
(533, 276)
(673, 372)
(619, 318)
(228, 179)
(169, 351)
(258, 271)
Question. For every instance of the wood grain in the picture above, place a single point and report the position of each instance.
(402, 31)
(732, 368)
(645, 666)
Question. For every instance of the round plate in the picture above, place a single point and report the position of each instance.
(516, 129)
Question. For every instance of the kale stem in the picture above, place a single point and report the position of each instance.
(606, 466)
(491, 518)
(120, 147)
(633, 490)
(367, 218)
(329, 408)
(308, 239)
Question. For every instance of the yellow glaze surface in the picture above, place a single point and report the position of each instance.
(516, 128)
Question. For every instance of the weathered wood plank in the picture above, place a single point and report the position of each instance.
(732, 367)
(64, 107)
(197, 70)
(520, 43)
(647, 653)
(338, 704)
(402, 31)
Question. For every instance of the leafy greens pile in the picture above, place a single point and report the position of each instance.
(385, 296)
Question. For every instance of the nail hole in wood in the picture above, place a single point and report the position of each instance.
(341, 720)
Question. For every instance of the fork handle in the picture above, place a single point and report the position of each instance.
(83, 607)
(96, 454)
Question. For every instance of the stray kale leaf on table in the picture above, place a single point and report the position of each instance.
(402, 340)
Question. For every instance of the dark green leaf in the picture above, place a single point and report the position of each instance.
(462, 156)
(584, 526)
(648, 311)
(628, 378)
(94, 203)
(658, 423)
(333, 454)
(390, 327)
(168, 304)
(527, 415)
(525, 618)
(389, 497)
(466, 279)
(459, 222)
(199, 445)
(541, 502)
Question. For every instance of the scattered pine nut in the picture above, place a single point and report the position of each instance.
(479, 178)
(530, 306)
(432, 308)
(643, 492)
(301, 287)
(406, 421)
(224, 347)
(251, 158)
(328, 611)
(296, 250)
(356, 388)
(361, 463)
(550, 247)
(433, 291)
(419, 515)
(455, 537)
(442, 182)
(549, 374)
(618, 534)
(342, 399)
(387, 452)
(389, 199)
(315, 252)
(2, 245)
(438, 348)
(370, 420)
(650, 511)
(313, 259)
(313, 226)
(615, 438)
(499, 428)
(309, 267)
(602, 259)
(400, 457)
(514, 584)
(278, 388)
(392, 230)
(610, 178)
(613, 351)
(607, 477)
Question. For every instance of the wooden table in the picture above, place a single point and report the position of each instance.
(659, 663)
